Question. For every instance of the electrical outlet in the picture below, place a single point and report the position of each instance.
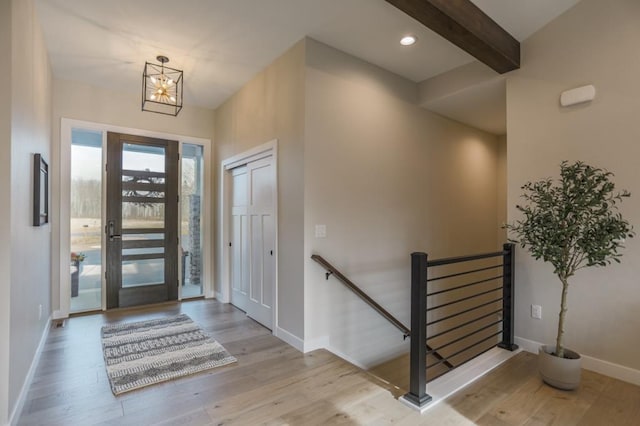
(40, 312)
(536, 311)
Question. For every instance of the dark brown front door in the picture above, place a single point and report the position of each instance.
(142, 220)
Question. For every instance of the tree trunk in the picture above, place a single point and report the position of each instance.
(563, 312)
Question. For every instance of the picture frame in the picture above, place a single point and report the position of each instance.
(40, 191)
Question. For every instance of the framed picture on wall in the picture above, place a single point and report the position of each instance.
(40, 191)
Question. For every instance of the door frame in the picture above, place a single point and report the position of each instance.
(268, 149)
(61, 243)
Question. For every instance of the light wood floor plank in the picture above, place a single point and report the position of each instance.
(274, 384)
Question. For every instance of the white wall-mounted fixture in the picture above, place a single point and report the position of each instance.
(578, 95)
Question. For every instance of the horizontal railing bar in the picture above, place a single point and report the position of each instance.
(451, 260)
(464, 286)
(462, 363)
(431, 379)
(465, 336)
(464, 324)
(364, 296)
(464, 312)
(464, 299)
(464, 273)
(463, 350)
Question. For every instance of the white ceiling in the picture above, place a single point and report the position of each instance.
(482, 106)
(221, 44)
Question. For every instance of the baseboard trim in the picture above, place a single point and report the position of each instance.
(289, 338)
(22, 397)
(57, 314)
(317, 343)
(314, 344)
(345, 357)
(617, 371)
(527, 345)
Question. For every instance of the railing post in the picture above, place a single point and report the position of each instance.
(508, 295)
(417, 395)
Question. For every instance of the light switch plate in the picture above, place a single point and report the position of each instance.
(321, 231)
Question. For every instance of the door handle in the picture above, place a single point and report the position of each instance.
(111, 232)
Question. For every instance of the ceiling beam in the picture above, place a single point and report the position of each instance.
(465, 25)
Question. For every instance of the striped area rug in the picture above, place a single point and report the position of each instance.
(143, 353)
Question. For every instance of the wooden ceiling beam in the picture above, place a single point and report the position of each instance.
(465, 25)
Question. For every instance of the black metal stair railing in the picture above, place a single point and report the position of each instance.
(422, 304)
(332, 270)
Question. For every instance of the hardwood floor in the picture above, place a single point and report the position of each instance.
(396, 370)
(272, 383)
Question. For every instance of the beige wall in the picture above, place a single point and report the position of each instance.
(501, 173)
(387, 178)
(80, 101)
(5, 213)
(271, 106)
(596, 42)
(30, 115)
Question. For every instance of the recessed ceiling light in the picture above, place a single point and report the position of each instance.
(407, 40)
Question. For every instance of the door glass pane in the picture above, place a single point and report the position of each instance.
(191, 226)
(142, 215)
(142, 272)
(143, 251)
(143, 185)
(143, 206)
(150, 157)
(134, 237)
(86, 220)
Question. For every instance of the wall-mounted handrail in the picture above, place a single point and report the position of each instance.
(364, 296)
(332, 270)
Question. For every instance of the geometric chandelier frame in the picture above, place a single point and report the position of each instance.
(161, 88)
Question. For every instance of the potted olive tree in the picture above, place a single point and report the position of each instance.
(573, 223)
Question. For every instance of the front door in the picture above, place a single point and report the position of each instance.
(142, 220)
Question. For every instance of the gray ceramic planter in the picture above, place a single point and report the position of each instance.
(561, 373)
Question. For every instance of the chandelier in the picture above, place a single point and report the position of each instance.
(161, 88)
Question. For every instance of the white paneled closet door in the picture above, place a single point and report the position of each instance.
(239, 239)
(253, 240)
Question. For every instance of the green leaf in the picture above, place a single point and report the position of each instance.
(572, 222)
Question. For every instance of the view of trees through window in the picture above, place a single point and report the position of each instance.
(86, 224)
